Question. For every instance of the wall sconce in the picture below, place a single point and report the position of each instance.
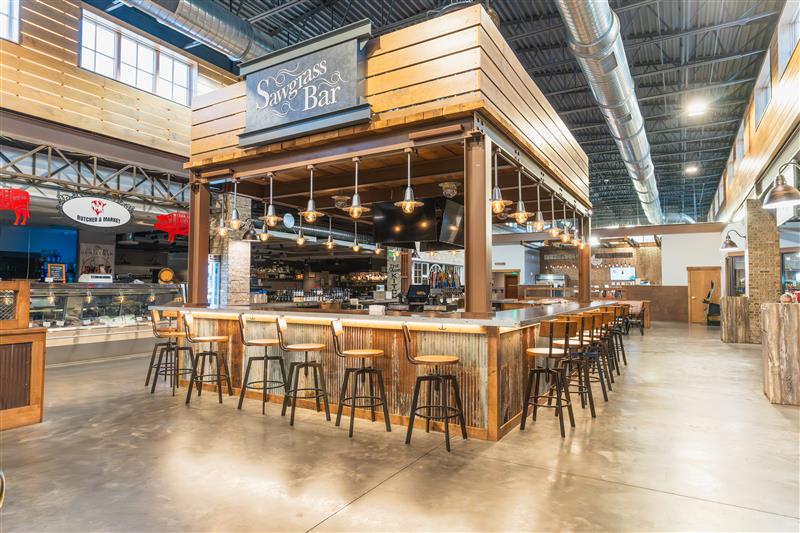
(782, 194)
(728, 245)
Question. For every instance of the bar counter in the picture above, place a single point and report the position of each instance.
(492, 369)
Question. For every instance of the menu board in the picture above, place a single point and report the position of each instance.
(57, 272)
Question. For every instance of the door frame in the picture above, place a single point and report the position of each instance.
(689, 269)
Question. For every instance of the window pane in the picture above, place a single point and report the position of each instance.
(164, 88)
(104, 65)
(5, 27)
(127, 52)
(5, 7)
(180, 95)
(106, 41)
(181, 74)
(127, 74)
(165, 67)
(87, 34)
(147, 58)
(144, 81)
(87, 58)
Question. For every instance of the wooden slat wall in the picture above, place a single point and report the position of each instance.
(764, 141)
(453, 65)
(40, 77)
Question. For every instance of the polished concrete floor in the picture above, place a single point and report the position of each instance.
(687, 442)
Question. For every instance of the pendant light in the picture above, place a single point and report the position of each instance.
(301, 239)
(581, 242)
(270, 217)
(553, 231)
(408, 203)
(356, 246)
(498, 205)
(235, 222)
(378, 249)
(565, 236)
(576, 235)
(521, 215)
(263, 235)
(311, 214)
(538, 224)
(356, 209)
(222, 229)
(782, 194)
(329, 243)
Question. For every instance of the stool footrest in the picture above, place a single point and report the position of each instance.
(374, 401)
(451, 412)
(259, 384)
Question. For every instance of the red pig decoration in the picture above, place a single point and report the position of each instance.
(18, 201)
(173, 224)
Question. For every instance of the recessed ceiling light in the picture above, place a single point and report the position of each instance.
(696, 108)
(691, 170)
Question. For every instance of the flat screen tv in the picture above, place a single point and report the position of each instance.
(393, 227)
(623, 274)
(452, 230)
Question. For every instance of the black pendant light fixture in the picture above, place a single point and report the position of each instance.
(408, 203)
(521, 215)
(553, 231)
(235, 221)
(497, 204)
(329, 244)
(538, 223)
(355, 209)
(311, 214)
(782, 194)
(270, 217)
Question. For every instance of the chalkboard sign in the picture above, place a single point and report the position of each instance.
(57, 271)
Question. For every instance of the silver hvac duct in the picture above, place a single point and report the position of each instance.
(210, 24)
(595, 41)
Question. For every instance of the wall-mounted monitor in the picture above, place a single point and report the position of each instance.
(623, 274)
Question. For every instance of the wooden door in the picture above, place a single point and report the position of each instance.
(702, 281)
(512, 286)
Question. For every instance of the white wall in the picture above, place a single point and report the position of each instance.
(685, 250)
(516, 257)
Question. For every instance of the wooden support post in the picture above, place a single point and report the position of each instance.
(584, 274)
(199, 227)
(478, 224)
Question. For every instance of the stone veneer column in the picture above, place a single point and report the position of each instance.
(234, 256)
(762, 259)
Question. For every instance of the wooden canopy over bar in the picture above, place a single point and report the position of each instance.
(449, 88)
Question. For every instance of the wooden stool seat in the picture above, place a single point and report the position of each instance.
(210, 338)
(363, 353)
(170, 333)
(436, 359)
(574, 342)
(263, 342)
(534, 352)
(305, 347)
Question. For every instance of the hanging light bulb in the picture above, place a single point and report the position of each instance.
(311, 214)
(263, 235)
(408, 203)
(356, 246)
(378, 249)
(88, 297)
(553, 231)
(576, 235)
(356, 209)
(270, 217)
(235, 222)
(222, 229)
(565, 235)
(497, 203)
(538, 224)
(329, 243)
(301, 239)
(521, 214)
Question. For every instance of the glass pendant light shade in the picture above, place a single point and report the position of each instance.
(782, 194)
(235, 222)
(408, 203)
(496, 202)
(311, 214)
(329, 243)
(355, 209)
(521, 215)
(270, 217)
(263, 235)
(538, 223)
(301, 239)
(356, 247)
(565, 234)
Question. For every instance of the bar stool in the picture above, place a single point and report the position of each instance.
(597, 372)
(439, 381)
(360, 373)
(318, 390)
(621, 312)
(262, 384)
(199, 359)
(169, 366)
(607, 336)
(578, 365)
(555, 356)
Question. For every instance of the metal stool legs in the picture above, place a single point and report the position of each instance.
(221, 363)
(264, 384)
(558, 390)
(319, 390)
(437, 411)
(361, 375)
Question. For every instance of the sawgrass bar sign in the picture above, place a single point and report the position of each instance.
(313, 86)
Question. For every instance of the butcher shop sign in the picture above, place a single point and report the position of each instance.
(313, 86)
(95, 211)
